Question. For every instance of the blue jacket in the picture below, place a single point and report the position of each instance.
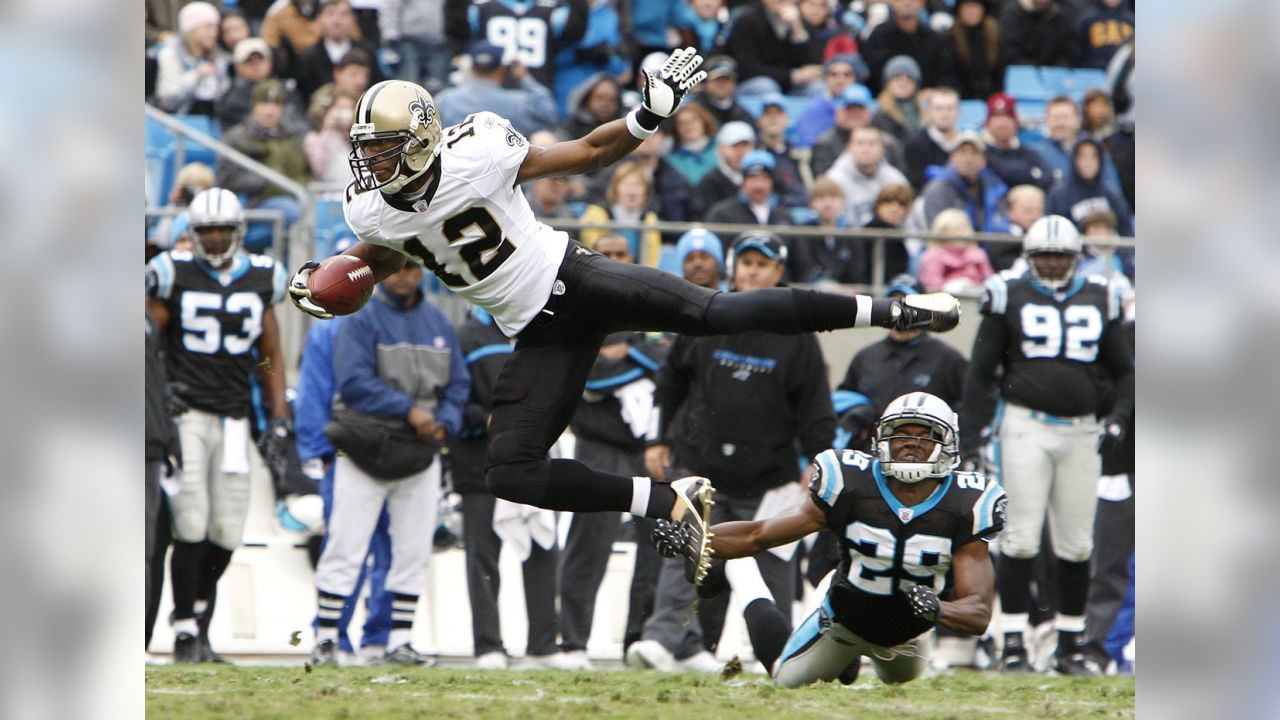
(597, 51)
(529, 107)
(387, 359)
(950, 191)
(650, 20)
(1077, 198)
(313, 406)
(1058, 160)
(816, 118)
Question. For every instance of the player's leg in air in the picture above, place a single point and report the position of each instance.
(543, 379)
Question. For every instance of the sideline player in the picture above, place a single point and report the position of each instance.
(1050, 341)
(907, 522)
(450, 199)
(214, 305)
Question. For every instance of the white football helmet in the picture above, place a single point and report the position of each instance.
(919, 408)
(394, 110)
(1052, 234)
(216, 208)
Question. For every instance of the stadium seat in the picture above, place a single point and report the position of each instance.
(669, 262)
(1057, 80)
(973, 115)
(1085, 79)
(752, 104)
(1023, 82)
(1031, 112)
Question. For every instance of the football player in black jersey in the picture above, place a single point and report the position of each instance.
(1050, 344)
(213, 305)
(909, 526)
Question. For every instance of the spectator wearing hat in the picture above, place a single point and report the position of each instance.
(966, 184)
(771, 44)
(704, 24)
(1061, 132)
(350, 80)
(828, 258)
(905, 34)
(1015, 163)
(263, 137)
(756, 201)
(1101, 30)
(693, 153)
(700, 255)
(720, 91)
(861, 173)
(191, 68)
(253, 63)
(414, 29)
(733, 142)
(929, 149)
(1035, 32)
(906, 362)
(529, 106)
(820, 114)
(339, 35)
(855, 108)
(1082, 192)
(953, 263)
(772, 126)
(899, 113)
(975, 46)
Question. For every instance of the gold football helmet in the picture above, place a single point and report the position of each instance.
(395, 136)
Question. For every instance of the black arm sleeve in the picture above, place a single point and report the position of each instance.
(815, 417)
(981, 390)
(672, 385)
(1117, 358)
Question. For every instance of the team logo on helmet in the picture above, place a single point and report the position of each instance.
(422, 112)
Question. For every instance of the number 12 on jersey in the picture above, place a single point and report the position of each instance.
(482, 254)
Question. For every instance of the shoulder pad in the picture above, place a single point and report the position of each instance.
(995, 295)
(827, 480)
(988, 508)
(182, 255)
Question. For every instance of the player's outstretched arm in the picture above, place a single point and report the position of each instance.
(746, 538)
(610, 142)
(970, 613)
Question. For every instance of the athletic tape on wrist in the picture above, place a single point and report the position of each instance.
(636, 129)
(864, 311)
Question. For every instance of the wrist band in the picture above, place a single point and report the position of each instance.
(636, 129)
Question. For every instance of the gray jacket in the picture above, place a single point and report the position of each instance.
(421, 20)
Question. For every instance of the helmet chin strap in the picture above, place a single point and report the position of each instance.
(395, 186)
(909, 472)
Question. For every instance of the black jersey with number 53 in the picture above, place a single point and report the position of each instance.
(473, 228)
(215, 319)
(886, 547)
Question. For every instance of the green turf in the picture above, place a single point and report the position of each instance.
(201, 692)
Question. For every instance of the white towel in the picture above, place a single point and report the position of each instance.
(1114, 488)
(235, 446)
(636, 399)
(776, 502)
(519, 526)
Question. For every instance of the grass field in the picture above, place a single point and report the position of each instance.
(246, 693)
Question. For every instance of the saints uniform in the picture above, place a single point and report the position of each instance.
(885, 548)
(215, 322)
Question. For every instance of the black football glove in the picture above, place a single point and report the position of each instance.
(275, 445)
(1112, 437)
(924, 603)
(670, 538)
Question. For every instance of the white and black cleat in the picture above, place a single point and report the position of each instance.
(692, 511)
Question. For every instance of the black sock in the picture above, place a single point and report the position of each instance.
(1014, 581)
(768, 629)
(184, 566)
(1073, 587)
(212, 567)
(782, 310)
(565, 485)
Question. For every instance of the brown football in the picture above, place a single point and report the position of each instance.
(342, 284)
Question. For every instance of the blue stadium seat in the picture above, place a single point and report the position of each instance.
(1086, 79)
(1023, 82)
(668, 261)
(752, 104)
(973, 115)
(1057, 80)
(1031, 112)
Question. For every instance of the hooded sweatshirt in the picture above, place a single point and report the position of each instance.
(1077, 198)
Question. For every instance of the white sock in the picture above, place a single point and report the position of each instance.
(1013, 622)
(200, 606)
(863, 318)
(1070, 623)
(745, 579)
(398, 637)
(640, 487)
(185, 626)
(326, 633)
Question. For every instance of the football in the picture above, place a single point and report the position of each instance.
(342, 284)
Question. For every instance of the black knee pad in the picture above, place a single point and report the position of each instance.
(523, 482)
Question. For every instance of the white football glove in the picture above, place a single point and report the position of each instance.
(664, 91)
(301, 296)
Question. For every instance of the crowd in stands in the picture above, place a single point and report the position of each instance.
(886, 116)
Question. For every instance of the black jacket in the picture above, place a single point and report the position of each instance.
(486, 350)
(753, 43)
(756, 404)
(889, 369)
(711, 189)
(313, 68)
(599, 415)
(922, 151)
(927, 47)
(1028, 38)
(735, 210)
(159, 430)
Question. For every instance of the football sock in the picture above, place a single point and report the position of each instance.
(1073, 587)
(1013, 580)
(640, 495)
(212, 567)
(792, 311)
(184, 566)
(403, 606)
(745, 579)
(185, 626)
(328, 612)
(768, 630)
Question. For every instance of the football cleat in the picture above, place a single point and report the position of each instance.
(186, 648)
(1076, 663)
(406, 655)
(325, 653)
(692, 511)
(935, 312)
(650, 655)
(1014, 658)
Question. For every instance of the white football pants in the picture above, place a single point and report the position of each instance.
(358, 497)
(1048, 464)
(212, 499)
(819, 651)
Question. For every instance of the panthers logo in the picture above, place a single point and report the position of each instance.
(422, 112)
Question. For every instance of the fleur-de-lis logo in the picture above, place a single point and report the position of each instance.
(423, 112)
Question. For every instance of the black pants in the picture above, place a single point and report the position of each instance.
(1113, 543)
(542, 382)
(483, 548)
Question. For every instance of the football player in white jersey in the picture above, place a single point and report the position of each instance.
(450, 198)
